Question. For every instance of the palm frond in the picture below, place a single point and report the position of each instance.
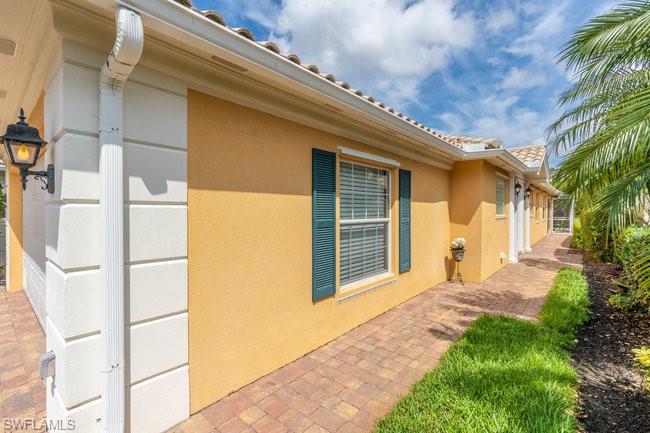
(606, 118)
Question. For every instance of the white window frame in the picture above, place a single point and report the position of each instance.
(496, 195)
(388, 221)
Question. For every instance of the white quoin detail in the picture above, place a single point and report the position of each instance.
(126, 52)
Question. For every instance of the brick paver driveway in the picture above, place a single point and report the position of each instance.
(22, 395)
(347, 384)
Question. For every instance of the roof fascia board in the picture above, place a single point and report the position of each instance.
(544, 166)
(502, 154)
(206, 77)
(196, 30)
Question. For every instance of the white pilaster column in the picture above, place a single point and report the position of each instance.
(155, 257)
(520, 218)
(512, 221)
(527, 247)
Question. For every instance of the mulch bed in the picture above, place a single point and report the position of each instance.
(611, 394)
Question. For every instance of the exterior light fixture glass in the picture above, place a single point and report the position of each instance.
(23, 144)
(517, 188)
(528, 191)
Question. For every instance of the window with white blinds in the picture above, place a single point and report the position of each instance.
(364, 221)
(501, 197)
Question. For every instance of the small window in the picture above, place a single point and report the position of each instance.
(543, 209)
(501, 197)
(536, 206)
(364, 221)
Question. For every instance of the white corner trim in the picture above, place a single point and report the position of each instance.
(125, 54)
(368, 156)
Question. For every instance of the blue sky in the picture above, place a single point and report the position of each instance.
(469, 67)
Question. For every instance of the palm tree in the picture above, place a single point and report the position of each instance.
(606, 122)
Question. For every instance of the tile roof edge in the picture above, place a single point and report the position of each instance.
(245, 34)
(527, 146)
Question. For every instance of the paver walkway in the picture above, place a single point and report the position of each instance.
(22, 394)
(347, 384)
(341, 387)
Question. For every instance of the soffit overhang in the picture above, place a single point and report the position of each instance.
(184, 43)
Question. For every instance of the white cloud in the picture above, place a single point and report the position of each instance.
(548, 29)
(262, 11)
(519, 78)
(453, 121)
(385, 47)
(499, 116)
(500, 20)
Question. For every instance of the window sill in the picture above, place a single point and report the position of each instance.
(500, 217)
(358, 288)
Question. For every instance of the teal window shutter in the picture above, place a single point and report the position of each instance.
(404, 220)
(323, 224)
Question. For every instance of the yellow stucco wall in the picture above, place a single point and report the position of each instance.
(15, 231)
(473, 216)
(495, 239)
(249, 246)
(466, 214)
(14, 208)
(538, 216)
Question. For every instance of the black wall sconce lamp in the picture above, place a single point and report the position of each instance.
(517, 188)
(528, 191)
(24, 144)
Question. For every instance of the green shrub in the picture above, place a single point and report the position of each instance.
(595, 236)
(576, 238)
(642, 361)
(632, 249)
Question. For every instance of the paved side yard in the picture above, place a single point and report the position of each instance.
(341, 387)
(22, 394)
(348, 383)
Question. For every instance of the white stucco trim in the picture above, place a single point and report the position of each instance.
(368, 156)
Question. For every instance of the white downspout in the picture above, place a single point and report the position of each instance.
(126, 52)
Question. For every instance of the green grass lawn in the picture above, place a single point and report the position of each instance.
(503, 375)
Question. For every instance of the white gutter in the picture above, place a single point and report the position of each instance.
(191, 27)
(502, 154)
(129, 40)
